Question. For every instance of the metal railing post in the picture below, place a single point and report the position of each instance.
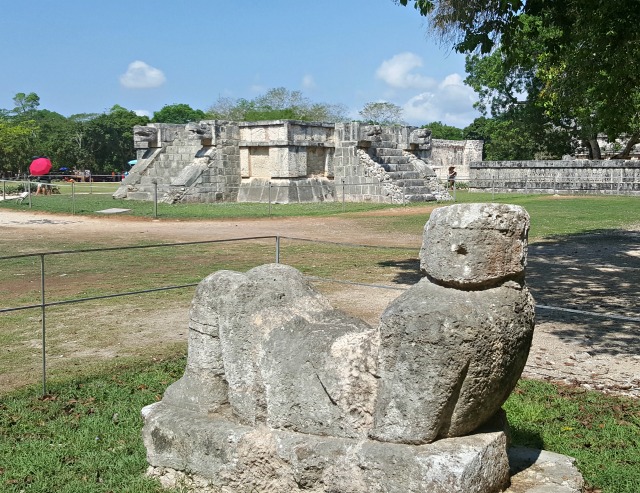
(269, 199)
(493, 186)
(403, 193)
(277, 249)
(155, 198)
(343, 194)
(73, 197)
(29, 192)
(4, 190)
(44, 327)
(454, 189)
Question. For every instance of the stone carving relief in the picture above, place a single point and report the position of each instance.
(145, 137)
(200, 131)
(284, 393)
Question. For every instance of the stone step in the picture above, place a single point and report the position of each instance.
(393, 159)
(385, 151)
(385, 144)
(400, 167)
(426, 197)
(404, 175)
(419, 182)
(417, 190)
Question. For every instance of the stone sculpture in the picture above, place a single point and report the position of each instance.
(284, 393)
(420, 137)
(199, 131)
(145, 136)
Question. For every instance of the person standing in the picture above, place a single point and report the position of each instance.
(451, 177)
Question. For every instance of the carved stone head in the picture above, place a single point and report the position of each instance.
(199, 131)
(420, 136)
(145, 136)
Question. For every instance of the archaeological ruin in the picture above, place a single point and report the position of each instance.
(284, 393)
(287, 161)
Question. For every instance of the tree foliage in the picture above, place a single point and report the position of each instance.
(99, 142)
(382, 113)
(440, 130)
(178, 113)
(276, 104)
(578, 60)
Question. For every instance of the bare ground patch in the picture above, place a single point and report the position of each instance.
(595, 275)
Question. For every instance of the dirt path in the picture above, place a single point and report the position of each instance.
(586, 286)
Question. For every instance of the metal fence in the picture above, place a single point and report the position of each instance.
(44, 303)
(343, 193)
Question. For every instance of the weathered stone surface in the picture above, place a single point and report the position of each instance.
(449, 359)
(284, 393)
(223, 456)
(249, 346)
(199, 131)
(327, 390)
(540, 471)
(472, 246)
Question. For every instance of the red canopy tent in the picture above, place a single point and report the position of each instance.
(40, 166)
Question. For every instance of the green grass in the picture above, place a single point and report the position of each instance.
(72, 441)
(85, 435)
(601, 432)
(69, 443)
(86, 203)
(550, 216)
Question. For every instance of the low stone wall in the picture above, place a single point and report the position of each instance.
(562, 176)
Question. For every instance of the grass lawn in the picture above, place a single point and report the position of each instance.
(85, 435)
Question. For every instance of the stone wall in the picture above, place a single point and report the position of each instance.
(458, 153)
(562, 176)
(289, 161)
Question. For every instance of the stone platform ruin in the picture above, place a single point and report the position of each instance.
(284, 393)
(290, 161)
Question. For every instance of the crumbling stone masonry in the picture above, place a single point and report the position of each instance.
(566, 176)
(284, 393)
(286, 161)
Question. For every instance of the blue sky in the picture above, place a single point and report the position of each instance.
(83, 56)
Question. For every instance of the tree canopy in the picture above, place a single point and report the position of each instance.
(382, 113)
(178, 113)
(440, 130)
(276, 104)
(577, 60)
(100, 142)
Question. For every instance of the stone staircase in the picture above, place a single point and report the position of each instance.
(401, 169)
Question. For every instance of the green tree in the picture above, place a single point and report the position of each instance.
(14, 146)
(440, 130)
(276, 104)
(178, 113)
(382, 113)
(584, 54)
(25, 103)
(108, 139)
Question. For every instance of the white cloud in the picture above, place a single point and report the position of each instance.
(399, 72)
(142, 113)
(308, 82)
(139, 75)
(450, 102)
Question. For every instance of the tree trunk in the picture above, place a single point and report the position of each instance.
(626, 152)
(594, 148)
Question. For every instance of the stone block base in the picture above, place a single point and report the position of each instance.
(214, 454)
(286, 191)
